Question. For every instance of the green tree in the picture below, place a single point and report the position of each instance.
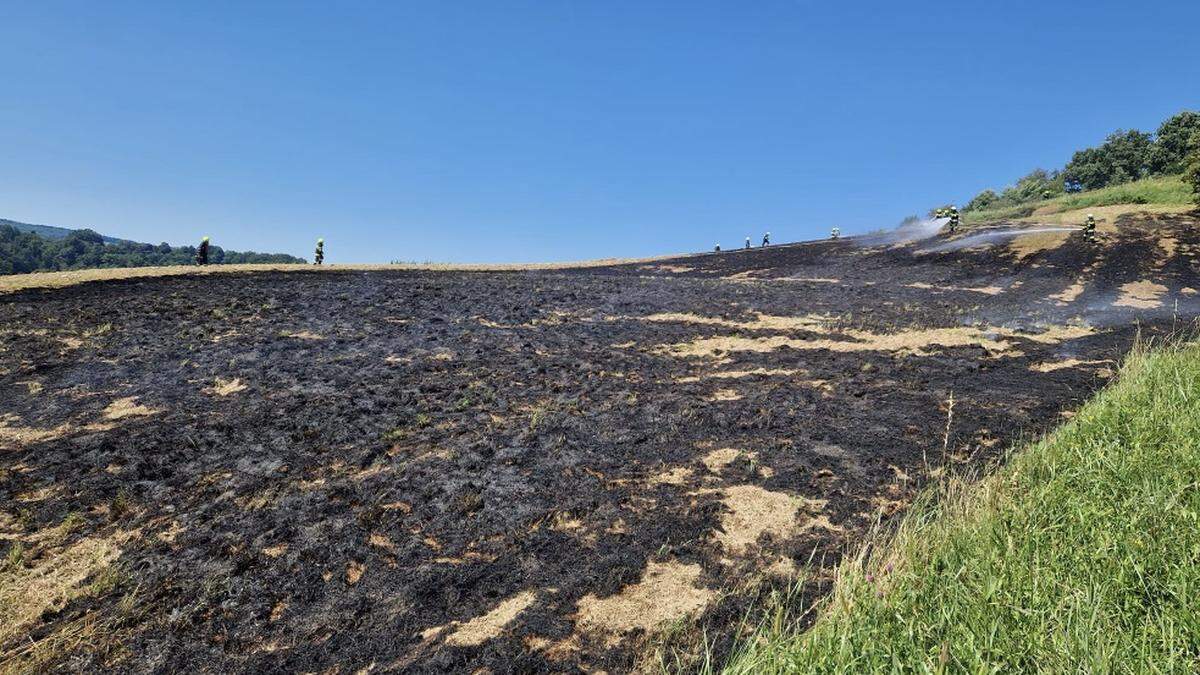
(982, 201)
(1191, 171)
(29, 252)
(1171, 144)
(1032, 187)
(1124, 156)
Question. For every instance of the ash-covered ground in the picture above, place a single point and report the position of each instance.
(519, 471)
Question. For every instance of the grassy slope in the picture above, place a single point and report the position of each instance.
(1168, 190)
(1082, 554)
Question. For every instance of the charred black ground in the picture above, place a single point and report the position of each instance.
(428, 471)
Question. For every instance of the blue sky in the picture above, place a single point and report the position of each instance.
(510, 131)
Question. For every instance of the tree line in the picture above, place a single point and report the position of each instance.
(85, 249)
(1124, 156)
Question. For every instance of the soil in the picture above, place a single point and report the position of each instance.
(525, 471)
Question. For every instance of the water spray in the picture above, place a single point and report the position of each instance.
(987, 238)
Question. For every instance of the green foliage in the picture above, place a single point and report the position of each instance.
(84, 249)
(1037, 185)
(1191, 173)
(983, 200)
(1124, 156)
(1080, 555)
(15, 557)
(1172, 143)
(1167, 190)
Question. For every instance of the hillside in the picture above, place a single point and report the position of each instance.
(53, 231)
(1163, 194)
(26, 248)
(1129, 167)
(533, 470)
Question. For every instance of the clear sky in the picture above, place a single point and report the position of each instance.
(556, 130)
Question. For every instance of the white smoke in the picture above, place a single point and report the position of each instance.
(990, 237)
(907, 232)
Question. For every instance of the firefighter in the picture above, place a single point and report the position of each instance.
(1089, 229)
(940, 213)
(202, 252)
(319, 254)
(766, 240)
(717, 248)
(747, 243)
(953, 212)
(835, 233)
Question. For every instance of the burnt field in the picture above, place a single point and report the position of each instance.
(518, 471)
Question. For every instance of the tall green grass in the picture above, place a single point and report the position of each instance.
(1170, 190)
(1081, 555)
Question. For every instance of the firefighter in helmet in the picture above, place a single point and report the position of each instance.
(319, 254)
(835, 233)
(953, 213)
(1089, 228)
(766, 240)
(202, 252)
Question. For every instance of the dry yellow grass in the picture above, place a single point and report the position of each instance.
(1141, 295)
(751, 511)
(1105, 215)
(1026, 245)
(52, 577)
(666, 592)
(911, 341)
(720, 458)
(223, 387)
(127, 407)
(737, 374)
(986, 290)
(485, 627)
(760, 322)
(1051, 366)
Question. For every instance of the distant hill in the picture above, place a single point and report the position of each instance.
(45, 248)
(51, 231)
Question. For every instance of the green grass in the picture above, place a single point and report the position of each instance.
(1169, 190)
(1082, 554)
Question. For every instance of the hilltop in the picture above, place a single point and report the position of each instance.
(55, 232)
(1129, 167)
